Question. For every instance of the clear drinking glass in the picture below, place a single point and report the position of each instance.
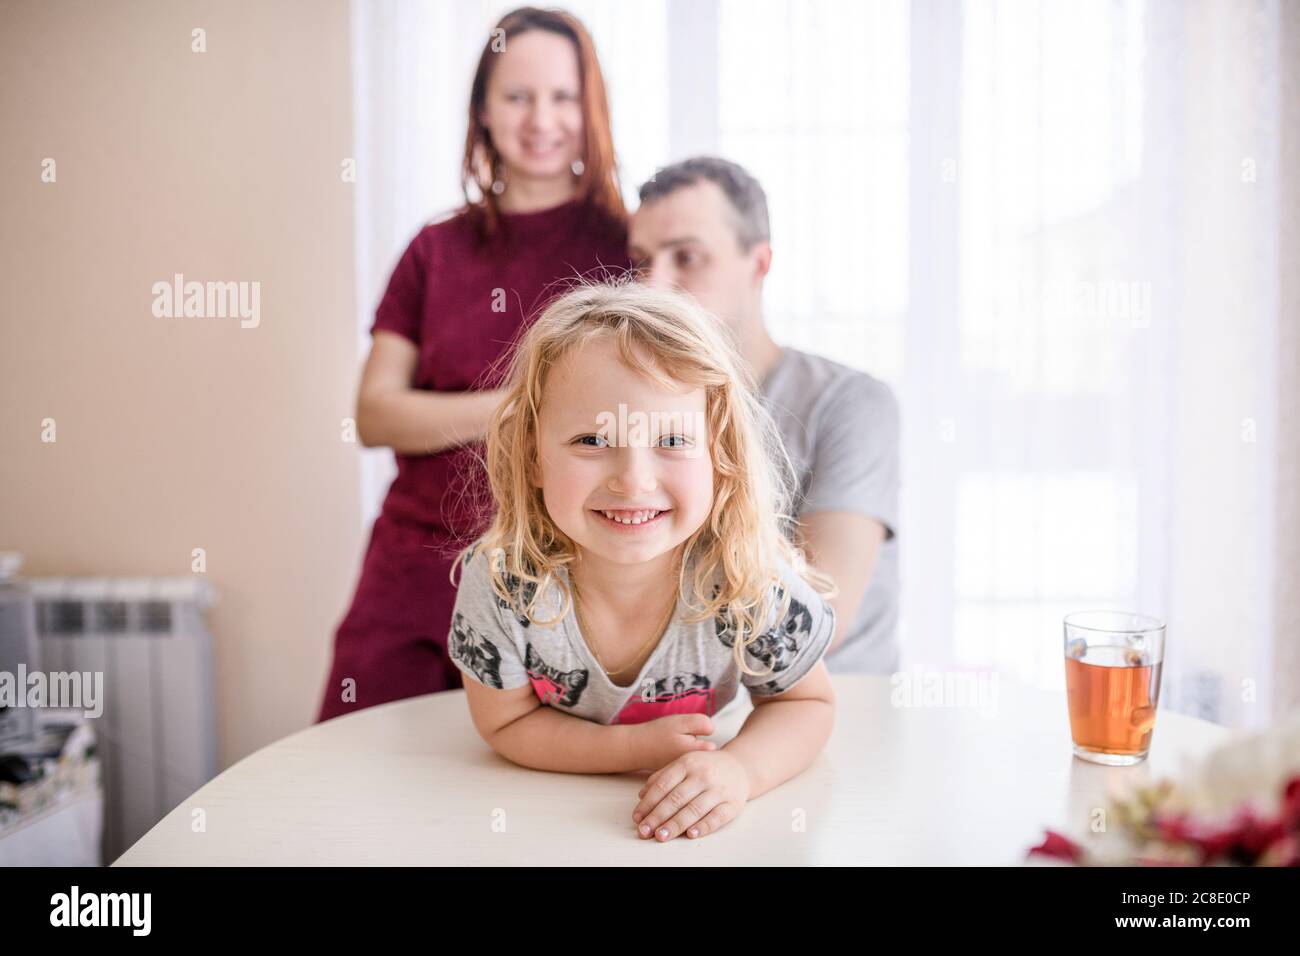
(1113, 661)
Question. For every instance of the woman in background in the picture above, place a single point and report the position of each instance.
(542, 206)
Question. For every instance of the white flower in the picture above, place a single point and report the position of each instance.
(1251, 768)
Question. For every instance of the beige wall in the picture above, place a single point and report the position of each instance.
(180, 433)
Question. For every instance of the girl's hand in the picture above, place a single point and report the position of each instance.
(660, 741)
(695, 794)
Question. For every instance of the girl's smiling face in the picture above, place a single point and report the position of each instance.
(627, 495)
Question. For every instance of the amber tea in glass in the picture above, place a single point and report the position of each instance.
(1112, 684)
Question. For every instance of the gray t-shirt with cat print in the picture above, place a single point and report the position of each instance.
(692, 670)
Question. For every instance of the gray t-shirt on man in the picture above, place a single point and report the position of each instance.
(841, 429)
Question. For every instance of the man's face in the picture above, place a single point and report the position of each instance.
(687, 240)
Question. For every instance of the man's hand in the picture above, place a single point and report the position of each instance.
(695, 794)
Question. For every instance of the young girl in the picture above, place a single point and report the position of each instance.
(636, 571)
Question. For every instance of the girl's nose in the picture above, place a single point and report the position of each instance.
(634, 473)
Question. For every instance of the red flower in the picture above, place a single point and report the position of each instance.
(1210, 841)
(1258, 835)
(1243, 840)
(1058, 847)
(1285, 852)
(1291, 804)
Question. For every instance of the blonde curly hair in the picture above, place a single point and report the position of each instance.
(730, 563)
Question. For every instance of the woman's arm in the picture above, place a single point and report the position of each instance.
(785, 734)
(392, 414)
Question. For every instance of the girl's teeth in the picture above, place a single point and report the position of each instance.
(637, 517)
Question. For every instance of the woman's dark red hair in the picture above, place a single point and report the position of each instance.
(598, 183)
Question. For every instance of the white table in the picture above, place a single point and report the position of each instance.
(411, 783)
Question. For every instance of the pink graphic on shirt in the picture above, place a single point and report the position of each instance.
(548, 692)
(553, 686)
(685, 694)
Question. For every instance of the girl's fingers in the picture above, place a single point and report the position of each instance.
(643, 814)
(660, 809)
(660, 782)
(715, 819)
(688, 816)
(648, 781)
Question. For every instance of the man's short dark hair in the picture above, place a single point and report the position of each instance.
(742, 190)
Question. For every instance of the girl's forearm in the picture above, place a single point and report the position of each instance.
(780, 739)
(418, 422)
(549, 740)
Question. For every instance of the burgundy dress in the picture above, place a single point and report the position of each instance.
(464, 306)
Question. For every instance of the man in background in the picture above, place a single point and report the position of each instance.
(702, 227)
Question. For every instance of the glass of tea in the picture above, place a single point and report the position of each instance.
(1112, 682)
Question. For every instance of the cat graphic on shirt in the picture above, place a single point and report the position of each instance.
(475, 651)
(777, 648)
(521, 592)
(681, 694)
(678, 686)
(554, 686)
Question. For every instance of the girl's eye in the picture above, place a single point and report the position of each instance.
(685, 258)
(677, 441)
(592, 441)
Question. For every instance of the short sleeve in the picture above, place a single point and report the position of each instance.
(855, 464)
(481, 642)
(401, 310)
(792, 647)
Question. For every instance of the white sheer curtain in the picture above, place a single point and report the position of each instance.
(1114, 341)
(1058, 229)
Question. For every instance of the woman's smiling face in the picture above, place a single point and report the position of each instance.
(627, 495)
(533, 107)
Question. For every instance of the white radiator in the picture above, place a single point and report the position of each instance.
(157, 733)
